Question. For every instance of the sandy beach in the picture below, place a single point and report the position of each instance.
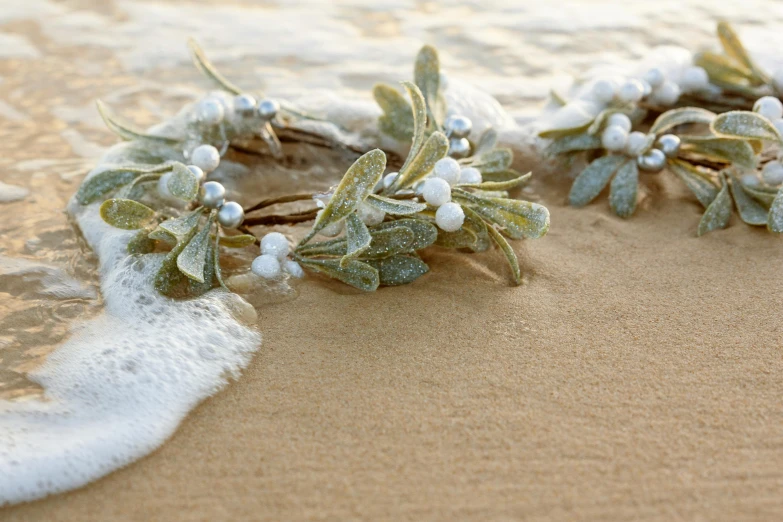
(635, 375)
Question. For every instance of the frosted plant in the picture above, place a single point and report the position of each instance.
(386, 219)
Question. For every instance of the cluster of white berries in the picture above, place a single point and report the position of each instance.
(436, 191)
(653, 86)
(772, 109)
(273, 260)
(617, 137)
(212, 111)
(457, 130)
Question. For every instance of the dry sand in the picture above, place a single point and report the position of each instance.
(637, 375)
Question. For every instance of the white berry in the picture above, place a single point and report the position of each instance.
(773, 173)
(370, 215)
(266, 266)
(436, 191)
(293, 269)
(667, 94)
(447, 169)
(163, 185)
(197, 172)
(275, 244)
(210, 111)
(470, 176)
(619, 119)
(205, 157)
(637, 141)
(614, 138)
(604, 91)
(769, 107)
(631, 91)
(450, 217)
(750, 180)
(389, 178)
(655, 77)
(694, 79)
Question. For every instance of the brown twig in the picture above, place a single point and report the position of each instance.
(290, 198)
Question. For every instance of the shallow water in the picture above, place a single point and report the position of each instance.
(57, 57)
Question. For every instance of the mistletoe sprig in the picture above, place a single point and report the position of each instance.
(385, 220)
(715, 155)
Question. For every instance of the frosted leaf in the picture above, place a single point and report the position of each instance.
(183, 183)
(744, 125)
(426, 75)
(355, 186)
(355, 273)
(518, 218)
(699, 183)
(775, 218)
(502, 185)
(424, 233)
(670, 119)
(102, 183)
(592, 180)
(397, 118)
(435, 148)
(749, 209)
(125, 130)
(511, 256)
(737, 152)
(192, 259)
(206, 67)
(574, 143)
(182, 226)
(400, 269)
(623, 190)
(394, 207)
(487, 142)
(462, 238)
(357, 238)
(126, 213)
(419, 111)
(237, 241)
(733, 47)
(496, 160)
(718, 212)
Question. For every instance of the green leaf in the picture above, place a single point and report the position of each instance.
(206, 67)
(670, 119)
(462, 238)
(763, 195)
(744, 125)
(104, 182)
(424, 233)
(183, 183)
(487, 142)
(419, 121)
(736, 152)
(126, 213)
(699, 183)
(356, 273)
(718, 212)
(141, 242)
(623, 190)
(775, 219)
(733, 47)
(476, 224)
(399, 270)
(357, 238)
(518, 218)
(394, 207)
(435, 148)
(388, 242)
(722, 70)
(592, 180)
(125, 130)
(353, 189)
(574, 143)
(194, 256)
(496, 160)
(237, 241)
(426, 75)
(210, 268)
(182, 226)
(397, 118)
(511, 256)
(749, 209)
(598, 123)
(501, 185)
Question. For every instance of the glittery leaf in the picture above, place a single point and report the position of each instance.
(126, 213)
(237, 241)
(733, 47)
(574, 143)
(598, 123)
(744, 125)
(718, 212)
(419, 121)
(182, 226)
(670, 119)
(183, 183)
(424, 233)
(476, 224)
(435, 148)
(487, 142)
(775, 219)
(356, 273)
(400, 269)
(722, 70)
(397, 118)
(623, 190)
(518, 218)
(749, 209)
(104, 182)
(496, 160)
(462, 238)
(511, 256)
(764, 195)
(501, 185)
(206, 67)
(395, 207)
(193, 257)
(698, 182)
(592, 180)
(737, 152)
(169, 280)
(353, 189)
(357, 238)
(426, 75)
(141, 242)
(125, 130)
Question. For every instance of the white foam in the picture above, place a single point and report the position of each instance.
(123, 381)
